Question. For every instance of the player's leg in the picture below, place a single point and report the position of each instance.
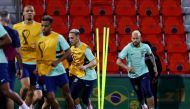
(145, 83)
(43, 103)
(77, 103)
(52, 100)
(5, 88)
(10, 94)
(51, 87)
(12, 77)
(154, 85)
(88, 87)
(63, 82)
(46, 104)
(3, 100)
(25, 82)
(76, 88)
(70, 77)
(135, 82)
(35, 93)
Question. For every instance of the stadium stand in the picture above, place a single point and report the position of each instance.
(165, 23)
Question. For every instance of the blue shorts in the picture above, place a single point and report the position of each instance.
(70, 77)
(4, 77)
(83, 88)
(28, 72)
(51, 82)
(141, 85)
(11, 73)
(41, 81)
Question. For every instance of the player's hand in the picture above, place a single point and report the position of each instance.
(130, 69)
(156, 72)
(155, 80)
(55, 63)
(82, 68)
(35, 71)
(19, 73)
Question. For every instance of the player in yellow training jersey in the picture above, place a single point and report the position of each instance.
(82, 66)
(29, 32)
(49, 63)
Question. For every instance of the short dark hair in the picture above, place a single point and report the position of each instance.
(4, 15)
(75, 31)
(47, 18)
(153, 48)
(147, 42)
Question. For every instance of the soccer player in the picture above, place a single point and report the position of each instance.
(134, 53)
(29, 32)
(153, 79)
(49, 63)
(4, 83)
(82, 67)
(11, 51)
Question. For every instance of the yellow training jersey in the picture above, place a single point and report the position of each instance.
(78, 55)
(29, 34)
(46, 53)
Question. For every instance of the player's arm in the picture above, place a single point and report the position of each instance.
(5, 40)
(19, 58)
(152, 60)
(154, 64)
(63, 44)
(16, 45)
(121, 64)
(91, 64)
(124, 66)
(65, 55)
(122, 55)
(19, 62)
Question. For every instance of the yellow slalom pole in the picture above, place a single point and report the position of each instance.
(103, 59)
(105, 66)
(98, 65)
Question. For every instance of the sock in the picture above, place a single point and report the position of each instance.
(24, 106)
(90, 107)
(78, 106)
(145, 105)
(31, 106)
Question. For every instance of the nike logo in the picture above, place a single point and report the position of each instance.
(87, 85)
(144, 77)
(76, 79)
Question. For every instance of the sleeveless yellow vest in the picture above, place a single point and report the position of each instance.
(46, 53)
(29, 35)
(78, 55)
